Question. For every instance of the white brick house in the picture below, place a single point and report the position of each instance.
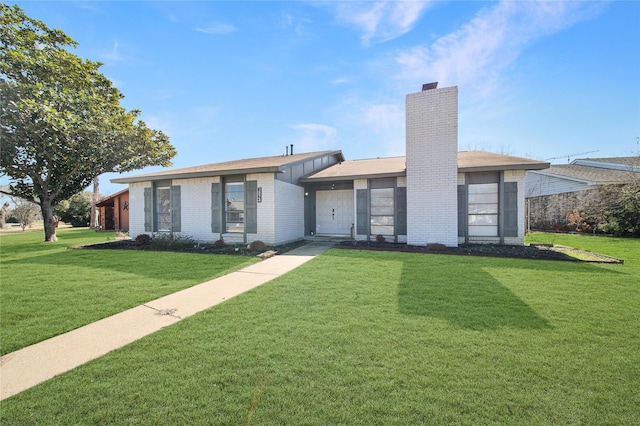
(433, 195)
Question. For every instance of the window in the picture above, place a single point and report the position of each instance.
(234, 210)
(483, 210)
(163, 208)
(382, 214)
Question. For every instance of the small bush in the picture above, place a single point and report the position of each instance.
(257, 246)
(436, 247)
(143, 240)
(172, 242)
(122, 235)
(219, 244)
(380, 239)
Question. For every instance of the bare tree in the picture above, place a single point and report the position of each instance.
(25, 211)
(3, 213)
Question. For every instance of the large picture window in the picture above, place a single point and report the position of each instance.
(235, 209)
(483, 210)
(382, 214)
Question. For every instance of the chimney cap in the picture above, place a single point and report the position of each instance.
(429, 86)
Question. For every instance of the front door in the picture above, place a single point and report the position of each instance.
(334, 212)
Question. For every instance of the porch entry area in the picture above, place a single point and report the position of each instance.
(334, 212)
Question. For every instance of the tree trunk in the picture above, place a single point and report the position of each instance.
(94, 199)
(49, 219)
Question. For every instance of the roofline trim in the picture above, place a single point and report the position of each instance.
(498, 168)
(351, 177)
(152, 177)
(571, 178)
(192, 175)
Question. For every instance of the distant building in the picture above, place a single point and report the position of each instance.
(553, 192)
(114, 212)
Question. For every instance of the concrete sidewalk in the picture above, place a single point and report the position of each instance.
(37, 363)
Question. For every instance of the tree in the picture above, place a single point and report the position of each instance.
(76, 210)
(615, 209)
(4, 210)
(61, 122)
(25, 211)
(94, 199)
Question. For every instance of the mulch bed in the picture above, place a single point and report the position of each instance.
(233, 249)
(533, 251)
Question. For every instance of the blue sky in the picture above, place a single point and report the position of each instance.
(230, 80)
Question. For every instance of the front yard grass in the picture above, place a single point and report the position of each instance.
(47, 289)
(361, 337)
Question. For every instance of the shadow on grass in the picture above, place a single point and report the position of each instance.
(475, 301)
(156, 265)
(464, 294)
(33, 241)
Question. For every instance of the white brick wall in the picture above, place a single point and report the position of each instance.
(432, 166)
(195, 208)
(136, 208)
(289, 212)
(266, 232)
(280, 213)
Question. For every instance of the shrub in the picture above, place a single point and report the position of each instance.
(436, 247)
(75, 211)
(172, 242)
(143, 240)
(576, 221)
(219, 243)
(380, 239)
(257, 246)
(120, 235)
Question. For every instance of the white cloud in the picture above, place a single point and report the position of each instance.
(380, 117)
(380, 21)
(313, 137)
(114, 54)
(341, 80)
(217, 28)
(298, 24)
(206, 113)
(481, 50)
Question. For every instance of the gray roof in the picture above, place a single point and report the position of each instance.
(480, 161)
(594, 175)
(468, 161)
(615, 160)
(361, 169)
(273, 164)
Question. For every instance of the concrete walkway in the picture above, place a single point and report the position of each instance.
(37, 363)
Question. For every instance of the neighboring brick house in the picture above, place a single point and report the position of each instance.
(114, 211)
(433, 195)
(561, 189)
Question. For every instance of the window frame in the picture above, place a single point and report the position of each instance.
(483, 209)
(234, 216)
(162, 210)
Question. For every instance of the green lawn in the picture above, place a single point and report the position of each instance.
(47, 289)
(381, 338)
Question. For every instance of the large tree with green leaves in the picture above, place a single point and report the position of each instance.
(61, 122)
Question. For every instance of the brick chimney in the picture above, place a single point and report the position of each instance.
(432, 166)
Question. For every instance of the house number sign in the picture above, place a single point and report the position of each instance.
(259, 194)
